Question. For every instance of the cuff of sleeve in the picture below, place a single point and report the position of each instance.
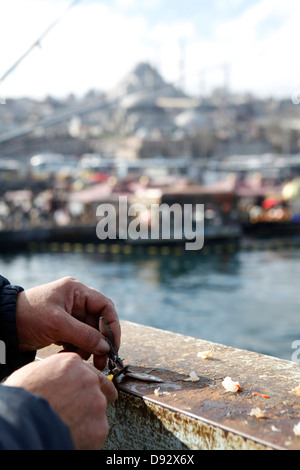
(8, 330)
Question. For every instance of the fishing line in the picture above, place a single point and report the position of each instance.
(37, 43)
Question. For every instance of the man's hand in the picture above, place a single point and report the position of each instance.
(66, 312)
(76, 390)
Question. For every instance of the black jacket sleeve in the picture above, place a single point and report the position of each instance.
(10, 356)
(27, 422)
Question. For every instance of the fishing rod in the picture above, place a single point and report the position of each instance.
(38, 41)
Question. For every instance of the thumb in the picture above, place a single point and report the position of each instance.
(82, 336)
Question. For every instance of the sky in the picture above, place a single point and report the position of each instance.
(248, 45)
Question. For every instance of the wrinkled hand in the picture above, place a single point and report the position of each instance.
(66, 312)
(76, 390)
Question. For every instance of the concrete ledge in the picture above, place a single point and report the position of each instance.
(181, 414)
(141, 424)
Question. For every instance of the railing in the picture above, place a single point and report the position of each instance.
(191, 409)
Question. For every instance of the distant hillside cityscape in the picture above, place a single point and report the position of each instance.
(145, 117)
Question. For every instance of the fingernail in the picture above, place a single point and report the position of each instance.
(102, 347)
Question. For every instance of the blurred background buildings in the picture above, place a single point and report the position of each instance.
(207, 112)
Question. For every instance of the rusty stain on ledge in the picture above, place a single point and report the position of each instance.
(181, 414)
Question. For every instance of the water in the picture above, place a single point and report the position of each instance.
(248, 300)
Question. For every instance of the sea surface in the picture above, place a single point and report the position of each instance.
(248, 299)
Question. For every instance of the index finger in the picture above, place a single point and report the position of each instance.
(106, 309)
(106, 386)
(98, 305)
(112, 323)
